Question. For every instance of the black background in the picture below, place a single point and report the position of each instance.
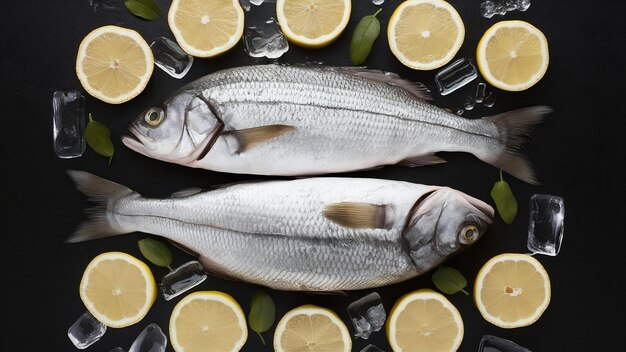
(578, 154)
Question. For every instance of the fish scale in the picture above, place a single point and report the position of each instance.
(281, 234)
(310, 120)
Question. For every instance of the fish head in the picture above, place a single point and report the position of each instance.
(444, 222)
(180, 131)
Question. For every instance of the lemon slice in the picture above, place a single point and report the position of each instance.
(114, 64)
(425, 34)
(208, 321)
(424, 320)
(512, 290)
(512, 55)
(313, 23)
(312, 329)
(117, 289)
(206, 28)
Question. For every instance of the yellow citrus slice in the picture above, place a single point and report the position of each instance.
(208, 321)
(512, 290)
(312, 329)
(206, 28)
(425, 34)
(313, 23)
(114, 64)
(424, 321)
(117, 289)
(513, 55)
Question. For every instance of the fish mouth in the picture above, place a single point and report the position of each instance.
(134, 140)
(483, 207)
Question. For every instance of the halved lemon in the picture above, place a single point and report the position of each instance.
(117, 289)
(208, 321)
(313, 23)
(513, 55)
(312, 329)
(512, 290)
(114, 64)
(206, 28)
(425, 34)
(424, 320)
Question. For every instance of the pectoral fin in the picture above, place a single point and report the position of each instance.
(357, 215)
(252, 137)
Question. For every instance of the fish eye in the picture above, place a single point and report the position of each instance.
(469, 234)
(154, 116)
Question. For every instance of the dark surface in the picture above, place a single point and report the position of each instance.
(578, 154)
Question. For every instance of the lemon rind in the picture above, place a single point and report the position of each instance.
(482, 273)
(150, 289)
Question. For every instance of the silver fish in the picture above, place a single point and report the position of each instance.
(317, 234)
(297, 120)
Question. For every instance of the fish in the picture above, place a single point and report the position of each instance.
(314, 234)
(310, 120)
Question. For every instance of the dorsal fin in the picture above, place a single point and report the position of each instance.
(186, 192)
(250, 137)
(357, 215)
(416, 89)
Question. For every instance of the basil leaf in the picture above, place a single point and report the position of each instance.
(363, 38)
(505, 200)
(98, 137)
(146, 9)
(156, 252)
(449, 280)
(262, 313)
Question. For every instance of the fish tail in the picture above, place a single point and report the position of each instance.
(102, 193)
(513, 129)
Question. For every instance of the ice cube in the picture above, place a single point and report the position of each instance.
(68, 126)
(109, 6)
(245, 4)
(523, 5)
(500, 7)
(377, 3)
(367, 315)
(86, 331)
(169, 57)
(151, 339)
(480, 92)
(117, 349)
(545, 228)
(372, 348)
(265, 39)
(487, 9)
(182, 279)
(256, 2)
(469, 103)
(454, 76)
(511, 5)
(496, 344)
(489, 100)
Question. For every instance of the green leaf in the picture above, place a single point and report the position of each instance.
(363, 38)
(156, 252)
(262, 313)
(98, 137)
(505, 200)
(449, 280)
(146, 9)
